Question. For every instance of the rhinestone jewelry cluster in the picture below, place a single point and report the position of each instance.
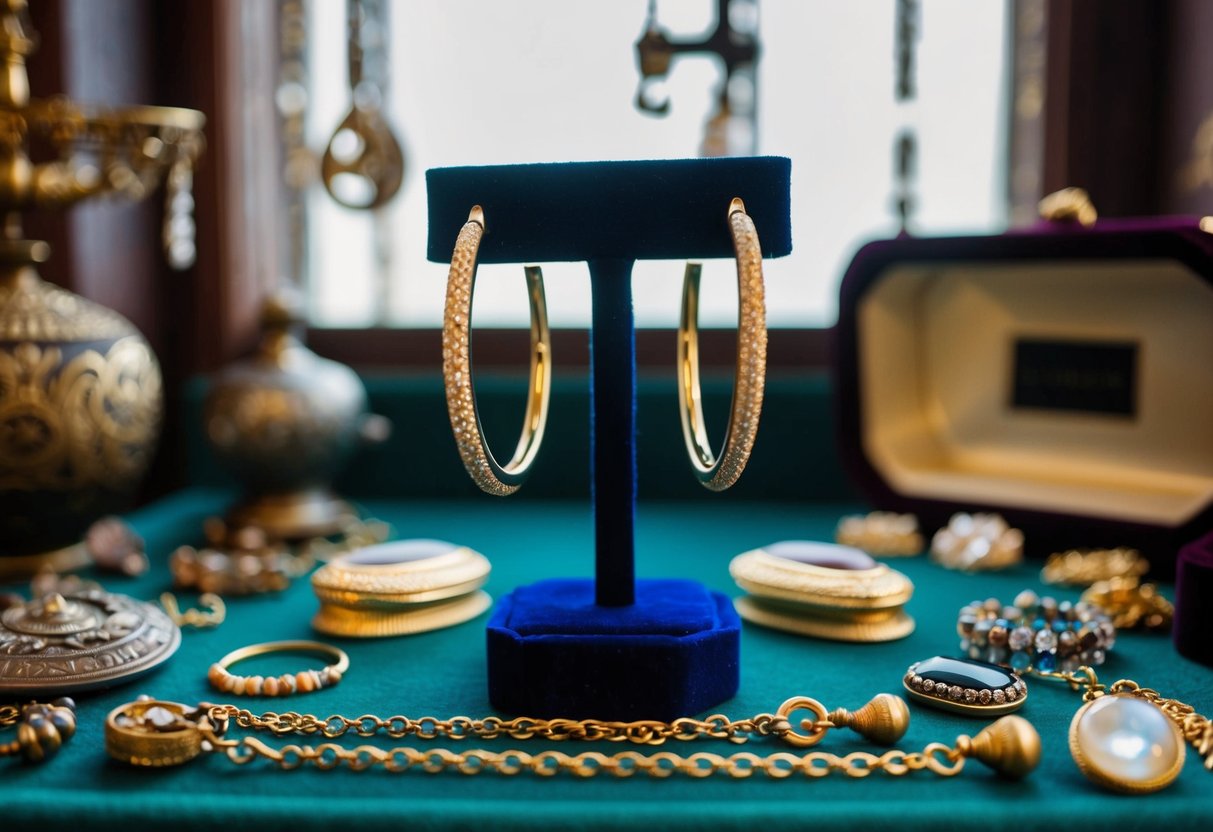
(1036, 633)
(977, 542)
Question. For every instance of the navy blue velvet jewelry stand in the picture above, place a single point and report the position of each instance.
(614, 647)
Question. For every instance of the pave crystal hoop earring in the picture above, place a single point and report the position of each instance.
(492, 477)
(719, 472)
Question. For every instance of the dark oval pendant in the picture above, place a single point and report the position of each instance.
(965, 686)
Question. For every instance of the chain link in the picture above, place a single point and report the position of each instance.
(9, 714)
(938, 758)
(642, 732)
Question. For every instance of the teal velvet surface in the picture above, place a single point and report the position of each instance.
(443, 674)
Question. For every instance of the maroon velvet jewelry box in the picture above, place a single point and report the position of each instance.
(1061, 376)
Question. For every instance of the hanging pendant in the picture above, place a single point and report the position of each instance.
(965, 686)
(1126, 744)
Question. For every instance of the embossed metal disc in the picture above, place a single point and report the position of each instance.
(81, 641)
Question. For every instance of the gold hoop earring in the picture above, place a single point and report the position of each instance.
(720, 472)
(457, 369)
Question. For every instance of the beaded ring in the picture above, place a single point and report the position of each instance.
(1036, 633)
(305, 681)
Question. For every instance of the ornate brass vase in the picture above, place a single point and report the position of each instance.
(80, 406)
(283, 423)
(80, 391)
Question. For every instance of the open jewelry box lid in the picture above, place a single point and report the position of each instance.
(1062, 376)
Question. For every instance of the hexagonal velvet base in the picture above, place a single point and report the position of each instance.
(554, 653)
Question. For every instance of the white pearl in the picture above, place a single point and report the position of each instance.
(1128, 742)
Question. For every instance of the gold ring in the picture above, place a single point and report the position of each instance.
(457, 369)
(304, 681)
(720, 472)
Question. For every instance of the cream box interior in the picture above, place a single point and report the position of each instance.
(1077, 387)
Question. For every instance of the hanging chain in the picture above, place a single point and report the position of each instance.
(152, 733)
(642, 732)
(905, 145)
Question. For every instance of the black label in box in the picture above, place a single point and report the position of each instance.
(1084, 376)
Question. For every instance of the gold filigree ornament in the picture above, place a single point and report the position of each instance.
(1131, 604)
(147, 733)
(1083, 567)
(822, 590)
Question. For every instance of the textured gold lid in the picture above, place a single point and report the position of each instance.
(823, 588)
(402, 573)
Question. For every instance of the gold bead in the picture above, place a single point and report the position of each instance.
(1010, 746)
(884, 720)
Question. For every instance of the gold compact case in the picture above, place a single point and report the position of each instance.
(822, 590)
(400, 588)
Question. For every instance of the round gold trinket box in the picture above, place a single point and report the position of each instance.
(400, 588)
(81, 640)
(822, 590)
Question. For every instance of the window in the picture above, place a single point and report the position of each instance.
(549, 80)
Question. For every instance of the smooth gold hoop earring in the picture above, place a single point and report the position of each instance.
(484, 469)
(720, 472)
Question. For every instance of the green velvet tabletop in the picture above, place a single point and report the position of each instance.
(443, 674)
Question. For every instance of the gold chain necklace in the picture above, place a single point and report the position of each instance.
(152, 733)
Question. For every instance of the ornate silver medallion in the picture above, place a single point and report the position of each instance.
(81, 640)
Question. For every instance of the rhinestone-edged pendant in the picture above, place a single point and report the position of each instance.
(965, 686)
(1126, 744)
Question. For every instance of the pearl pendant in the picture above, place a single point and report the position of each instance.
(1126, 744)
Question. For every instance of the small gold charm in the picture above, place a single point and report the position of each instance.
(151, 734)
(1131, 604)
(884, 720)
(1010, 746)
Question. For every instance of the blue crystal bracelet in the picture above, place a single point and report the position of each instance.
(1036, 633)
